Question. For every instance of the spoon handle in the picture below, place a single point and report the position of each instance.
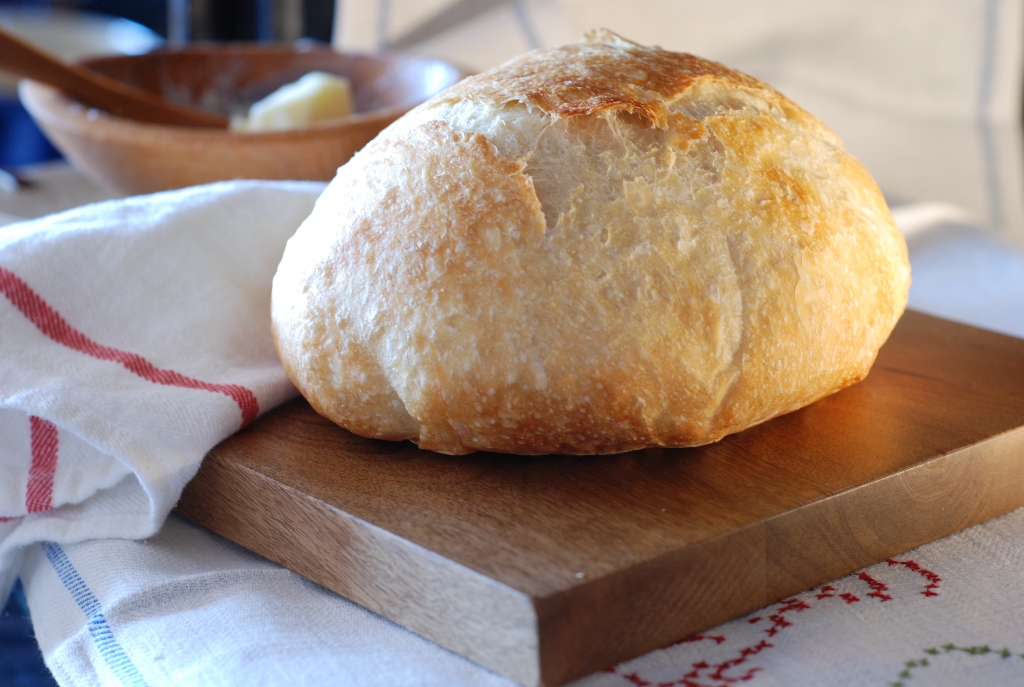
(96, 90)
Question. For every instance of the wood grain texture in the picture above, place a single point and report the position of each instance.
(549, 568)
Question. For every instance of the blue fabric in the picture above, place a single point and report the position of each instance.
(21, 141)
(21, 664)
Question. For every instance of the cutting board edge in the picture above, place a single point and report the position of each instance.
(885, 499)
(439, 599)
(574, 607)
(780, 575)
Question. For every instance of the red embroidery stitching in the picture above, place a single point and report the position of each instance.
(779, 623)
(49, 322)
(826, 592)
(931, 588)
(878, 589)
(794, 604)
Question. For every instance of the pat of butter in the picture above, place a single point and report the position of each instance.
(316, 97)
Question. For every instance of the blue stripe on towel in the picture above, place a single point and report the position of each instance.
(107, 645)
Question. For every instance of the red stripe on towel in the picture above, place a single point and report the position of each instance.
(39, 495)
(50, 323)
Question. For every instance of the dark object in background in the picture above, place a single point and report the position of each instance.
(318, 19)
(260, 20)
(232, 20)
(150, 13)
(21, 142)
(216, 20)
(21, 664)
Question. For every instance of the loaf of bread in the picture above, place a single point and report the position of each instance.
(589, 249)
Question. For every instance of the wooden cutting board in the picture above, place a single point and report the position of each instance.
(548, 568)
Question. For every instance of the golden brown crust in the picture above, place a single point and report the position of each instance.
(552, 258)
(604, 73)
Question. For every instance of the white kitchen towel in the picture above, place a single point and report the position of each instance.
(134, 336)
(189, 609)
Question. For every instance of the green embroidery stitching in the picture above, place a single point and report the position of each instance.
(909, 666)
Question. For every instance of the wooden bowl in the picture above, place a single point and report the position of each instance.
(133, 157)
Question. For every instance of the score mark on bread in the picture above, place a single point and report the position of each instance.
(589, 249)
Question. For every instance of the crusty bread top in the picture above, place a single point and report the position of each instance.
(590, 249)
(604, 73)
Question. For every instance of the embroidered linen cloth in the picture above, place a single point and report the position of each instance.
(187, 608)
(134, 336)
(131, 367)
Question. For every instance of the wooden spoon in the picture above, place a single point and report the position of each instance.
(96, 90)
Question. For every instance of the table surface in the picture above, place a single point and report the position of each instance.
(960, 273)
(593, 560)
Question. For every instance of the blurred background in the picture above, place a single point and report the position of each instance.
(78, 28)
(927, 93)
